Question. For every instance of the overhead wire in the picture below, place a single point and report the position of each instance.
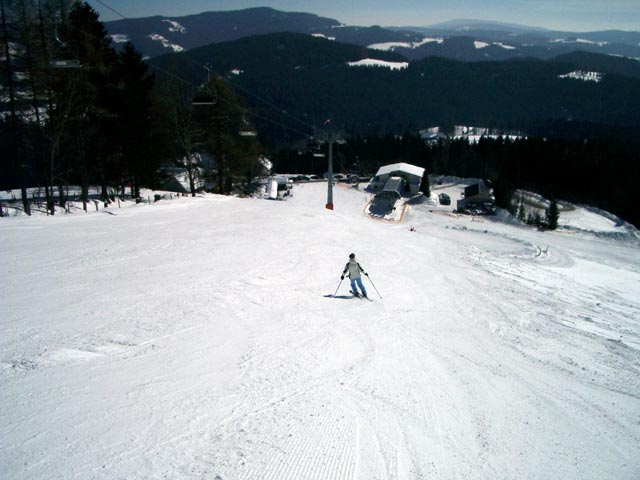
(246, 91)
(110, 8)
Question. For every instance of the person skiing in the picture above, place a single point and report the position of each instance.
(354, 270)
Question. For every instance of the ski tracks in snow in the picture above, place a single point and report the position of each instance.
(215, 354)
(287, 421)
(333, 393)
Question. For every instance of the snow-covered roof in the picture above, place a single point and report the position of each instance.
(400, 167)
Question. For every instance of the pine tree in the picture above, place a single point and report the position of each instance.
(425, 186)
(537, 219)
(16, 163)
(134, 107)
(522, 212)
(77, 130)
(222, 124)
(552, 215)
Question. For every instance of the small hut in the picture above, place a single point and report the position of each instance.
(410, 174)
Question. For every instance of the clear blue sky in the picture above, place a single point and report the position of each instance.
(571, 15)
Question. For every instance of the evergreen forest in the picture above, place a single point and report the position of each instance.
(79, 111)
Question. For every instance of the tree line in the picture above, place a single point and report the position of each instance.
(78, 111)
(600, 171)
(310, 79)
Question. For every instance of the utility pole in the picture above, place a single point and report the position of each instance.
(330, 137)
(330, 179)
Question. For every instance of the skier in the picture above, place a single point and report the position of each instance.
(354, 270)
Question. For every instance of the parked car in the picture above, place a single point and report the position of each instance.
(444, 199)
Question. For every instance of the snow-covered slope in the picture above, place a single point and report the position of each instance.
(194, 338)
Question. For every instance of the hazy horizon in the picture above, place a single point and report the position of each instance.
(571, 15)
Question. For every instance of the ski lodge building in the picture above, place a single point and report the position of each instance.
(478, 196)
(411, 175)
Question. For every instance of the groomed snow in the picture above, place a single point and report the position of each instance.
(175, 26)
(479, 44)
(369, 62)
(578, 40)
(165, 43)
(506, 47)
(389, 46)
(585, 76)
(197, 338)
(120, 38)
(589, 220)
(321, 35)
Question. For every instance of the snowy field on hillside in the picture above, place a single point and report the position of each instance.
(200, 338)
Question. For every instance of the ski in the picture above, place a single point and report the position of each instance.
(361, 297)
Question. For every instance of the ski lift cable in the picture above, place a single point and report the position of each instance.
(256, 115)
(265, 118)
(190, 84)
(279, 124)
(244, 90)
(257, 97)
(110, 8)
(273, 106)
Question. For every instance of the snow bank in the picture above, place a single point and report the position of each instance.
(12, 203)
(590, 220)
(582, 219)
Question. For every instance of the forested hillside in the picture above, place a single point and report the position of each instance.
(86, 113)
(75, 110)
(465, 40)
(311, 78)
(602, 171)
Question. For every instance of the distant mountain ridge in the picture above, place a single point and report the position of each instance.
(519, 41)
(314, 79)
(184, 33)
(464, 24)
(467, 40)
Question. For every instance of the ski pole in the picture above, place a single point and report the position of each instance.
(374, 286)
(338, 287)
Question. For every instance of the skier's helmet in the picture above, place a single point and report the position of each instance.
(352, 256)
